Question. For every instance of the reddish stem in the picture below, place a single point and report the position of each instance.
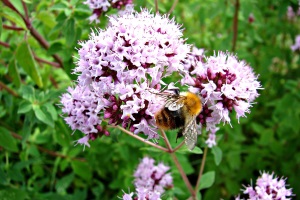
(4, 44)
(201, 168)
(2, 85)
(12, 28)
(173, 7)
(33, 32)
(47, 151)
(179, 167)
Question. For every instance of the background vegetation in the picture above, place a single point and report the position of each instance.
(37, 152)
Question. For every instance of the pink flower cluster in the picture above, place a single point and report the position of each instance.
(291, 14)
(267, 188)
(150, 180)
(296, 46)
(102, 6)
(225, 84)
(118, 67)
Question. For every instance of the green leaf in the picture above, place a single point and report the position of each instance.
(24, 107)
(15, 174)
(27, 163)
(82, 169)
(7, 141)
(26, 61)
(10, 193)
(18, 5)
(43, 115)
(184, 150)
(12, 16)
(59, 6)
(54, 48)
(199, 196)
(150, 149)
(27, 127)
(70, 32)
(64, 183)
(217, 152)
(51, 110)
(14, 72)
(47, 18)
(185, 163)
(28, 93)
(207, 180)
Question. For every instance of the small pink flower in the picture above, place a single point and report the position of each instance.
(101, 6)
(251, 18)
(151, 180)
(296, 46)
(117, 67)
(267, 187)
(225, 84)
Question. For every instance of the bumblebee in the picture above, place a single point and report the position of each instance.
(180, 111)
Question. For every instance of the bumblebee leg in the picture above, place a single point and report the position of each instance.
(179, 134)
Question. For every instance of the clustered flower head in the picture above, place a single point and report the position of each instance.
(119, 68)
(225, 84)
(291, 14)
(296, 46)
(150, 181)
(101, 6)
(251, 18)
(193, 59)
(267, 188)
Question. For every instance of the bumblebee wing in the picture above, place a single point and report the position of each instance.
(190, 134)
(174, 104)
(172, 101)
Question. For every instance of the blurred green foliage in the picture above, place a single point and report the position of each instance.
(37, 152)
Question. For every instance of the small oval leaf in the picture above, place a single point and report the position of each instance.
(7, 141)
(24, 107)
(43, 116)
(217, 152)
(185, 150)
(14, 72)
(26, 61)
(207, 180)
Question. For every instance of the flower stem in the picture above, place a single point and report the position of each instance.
(179, 146)
(235, 24)
(201, 169)
(179, 167)
(47, 151)
(156, 6)
(140, 138)
(173, 7)
(12, 92)
(33, 31)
